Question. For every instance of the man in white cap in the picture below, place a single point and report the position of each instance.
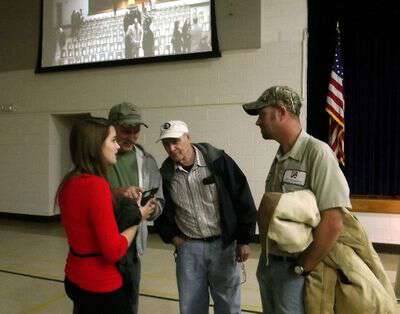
(209, 216)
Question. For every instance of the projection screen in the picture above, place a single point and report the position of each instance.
(83, 33)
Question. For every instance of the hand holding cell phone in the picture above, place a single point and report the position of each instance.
(147, 203)
(147, 195)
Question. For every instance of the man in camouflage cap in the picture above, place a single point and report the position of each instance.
(135, 171)
(301, 163)
(275, 96)
(126, 114)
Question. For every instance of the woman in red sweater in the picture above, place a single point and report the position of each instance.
(92, 279)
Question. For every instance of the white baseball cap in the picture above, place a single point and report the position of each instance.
(173, 129)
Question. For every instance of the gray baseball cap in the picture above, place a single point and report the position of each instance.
(126, 114)
(274, 96)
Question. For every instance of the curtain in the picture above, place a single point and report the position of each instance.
(372, 89)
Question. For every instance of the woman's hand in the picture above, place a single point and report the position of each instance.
(132, 192)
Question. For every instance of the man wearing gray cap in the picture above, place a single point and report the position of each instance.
(136, 171)
(209, 216)
(302, 162)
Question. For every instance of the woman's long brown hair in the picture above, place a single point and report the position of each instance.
(85, 145)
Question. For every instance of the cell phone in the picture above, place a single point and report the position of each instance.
(146, 195)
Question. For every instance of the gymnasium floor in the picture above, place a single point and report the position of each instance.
(32, 256)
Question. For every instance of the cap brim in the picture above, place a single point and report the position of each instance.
(252, 108)
(170, 135)
(132, 124)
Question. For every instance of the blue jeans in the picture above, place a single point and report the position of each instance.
(280, 288)
(203, 268)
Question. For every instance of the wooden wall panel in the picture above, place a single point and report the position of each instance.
(376, 205)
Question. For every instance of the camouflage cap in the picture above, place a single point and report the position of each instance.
(275, 96)
(126, 114)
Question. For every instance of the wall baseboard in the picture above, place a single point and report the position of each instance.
(31, 218)
(375, 205)
(385, 248)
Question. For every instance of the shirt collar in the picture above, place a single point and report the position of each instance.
(297, 150)
(198, 161)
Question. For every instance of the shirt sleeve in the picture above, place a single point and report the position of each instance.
(327, 180)
(155, 181)
(112, 244)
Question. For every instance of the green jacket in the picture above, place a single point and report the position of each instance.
(351, 278)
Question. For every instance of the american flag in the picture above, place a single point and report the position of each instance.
(335, 104)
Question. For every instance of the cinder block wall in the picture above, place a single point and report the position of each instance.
(207, 94)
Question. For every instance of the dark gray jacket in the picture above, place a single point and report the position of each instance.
(237, 209)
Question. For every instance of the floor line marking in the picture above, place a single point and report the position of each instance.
(45, 304)
(141, 294)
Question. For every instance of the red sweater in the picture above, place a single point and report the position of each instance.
(88, 218)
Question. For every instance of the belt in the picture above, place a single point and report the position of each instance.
(282, 258)
(208, 239)
(74, 253)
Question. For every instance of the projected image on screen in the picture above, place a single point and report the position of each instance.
(92, 31)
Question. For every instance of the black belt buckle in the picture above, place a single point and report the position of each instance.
(281, 258)
(211, 239)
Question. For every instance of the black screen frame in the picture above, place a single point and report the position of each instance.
(214, 53)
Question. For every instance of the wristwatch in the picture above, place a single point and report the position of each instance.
(299, 270)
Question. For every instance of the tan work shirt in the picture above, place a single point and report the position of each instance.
(310, 164)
